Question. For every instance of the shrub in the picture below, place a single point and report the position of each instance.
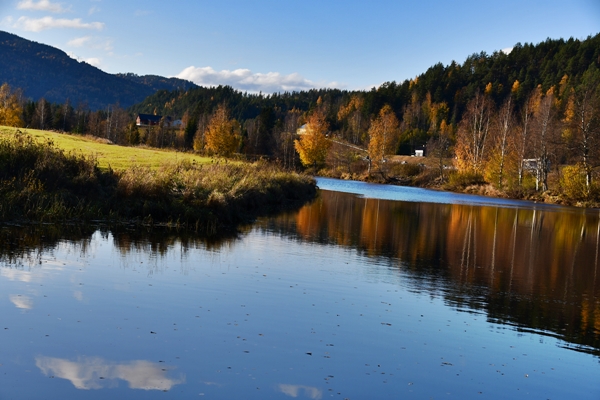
(461, 180)
(572, 183)
(407, 170)
(41, 183)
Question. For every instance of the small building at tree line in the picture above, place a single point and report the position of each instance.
(154, 120)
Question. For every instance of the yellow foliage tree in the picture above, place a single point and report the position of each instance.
(10, 109)
(313, 143)
(352, 112)
(515, 87)
(384, 134)
(222, 136)
(472, 139)
(488, 88)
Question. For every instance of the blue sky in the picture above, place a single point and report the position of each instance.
(268, 46)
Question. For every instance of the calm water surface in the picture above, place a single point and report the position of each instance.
(352, 296)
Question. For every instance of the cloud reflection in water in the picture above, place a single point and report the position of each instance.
(294, 391)
(22, 302)
(17, 275)
(97, 373)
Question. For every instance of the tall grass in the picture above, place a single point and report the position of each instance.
(40, 182)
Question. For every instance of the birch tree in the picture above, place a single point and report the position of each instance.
(472, 138)
(502, 138)
(544, 140)
(583, 116)
(384, 134)
(523, 134)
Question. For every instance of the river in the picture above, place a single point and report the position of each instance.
(370, 291)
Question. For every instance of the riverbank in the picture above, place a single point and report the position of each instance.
(40, 182)
(426, 173)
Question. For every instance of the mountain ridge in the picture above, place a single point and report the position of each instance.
(43, 71)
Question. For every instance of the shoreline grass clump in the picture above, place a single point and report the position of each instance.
(41, 183)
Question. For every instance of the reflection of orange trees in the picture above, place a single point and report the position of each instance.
(541, 267)
(307, 221)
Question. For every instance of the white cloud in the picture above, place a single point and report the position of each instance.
(41, 5)
(94, 10)
(7, 21)
(507, 50)
(93, 61)
(92, 43)
(244, 79)
(79, 42)
(40, 24)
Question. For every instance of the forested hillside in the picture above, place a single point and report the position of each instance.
(42, 71)
(522, 120)
(442, 92)
(545, 64)
(512, 119)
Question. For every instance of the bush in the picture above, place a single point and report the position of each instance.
(461, 180)
(39, 182)
(407, 170)
(572, 183)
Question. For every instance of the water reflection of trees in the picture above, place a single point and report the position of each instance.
(529, 268)
(24, 244)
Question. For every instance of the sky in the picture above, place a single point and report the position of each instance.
(275, 46)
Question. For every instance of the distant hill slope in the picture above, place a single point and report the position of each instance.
(157, 83)
(44, 71)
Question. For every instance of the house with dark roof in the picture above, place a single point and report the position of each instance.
(154, 120)
(148, 119)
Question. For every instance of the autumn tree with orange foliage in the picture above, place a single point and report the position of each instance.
(544, 138)
(523, 129)
(10, 109)
(439, 146)
(384, 135)
(352, 112)
(502, 141)
(222, 136)
(583, 119)
(472, 139)
(313, 143)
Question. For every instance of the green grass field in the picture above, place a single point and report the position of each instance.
(49, 177)
(117, 157)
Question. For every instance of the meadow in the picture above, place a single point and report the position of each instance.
(48, 177)
(107, 154)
